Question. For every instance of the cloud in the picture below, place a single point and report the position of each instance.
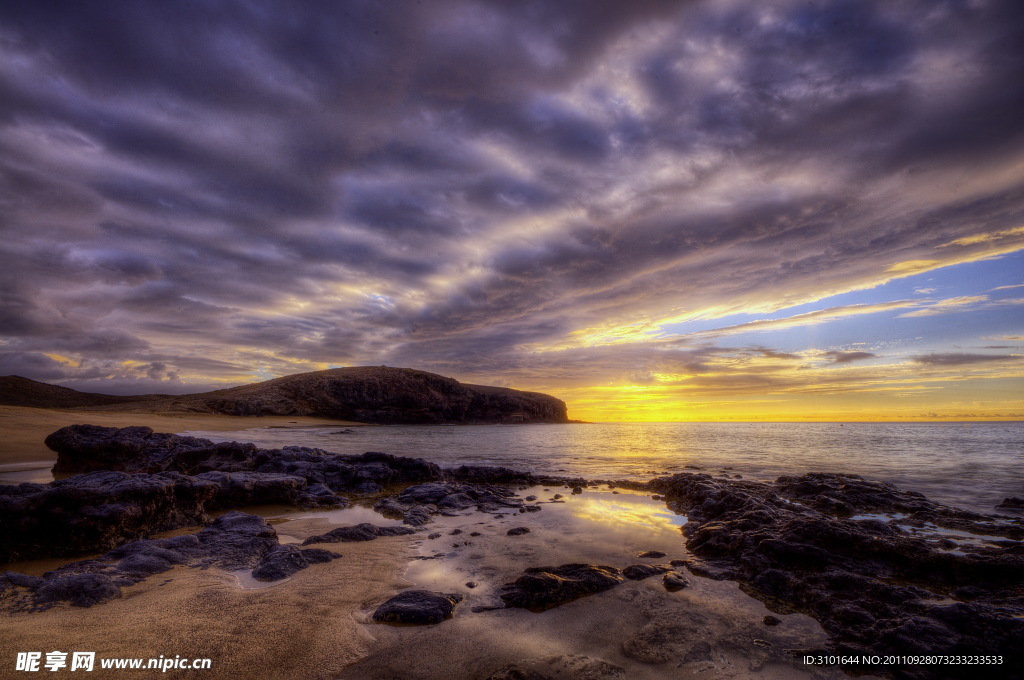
(956, 304)
(848, 357)
(477, 184)
(961, 359)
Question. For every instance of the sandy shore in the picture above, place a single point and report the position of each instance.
(24, 429)
(303, 628)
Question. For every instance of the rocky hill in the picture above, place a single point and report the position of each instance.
(369, 394)
(18, 391)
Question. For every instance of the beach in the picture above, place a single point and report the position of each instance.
(24, 428)
(474, 532)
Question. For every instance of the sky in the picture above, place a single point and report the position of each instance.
(724, 210)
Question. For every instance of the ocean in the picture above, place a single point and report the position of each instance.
(971, 465)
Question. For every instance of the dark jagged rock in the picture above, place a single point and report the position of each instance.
(517, 531)
(238, 489)
(79, 590)
(285, 560)
(416, 504)
(232, 542)
(652, 554)
(541, 588)
(674, 581)
(358, 532)
(482, 474)
(638, 572)
(97, 511)
(865, 560)
(417, 607)
(83, 448)
(1012, 503)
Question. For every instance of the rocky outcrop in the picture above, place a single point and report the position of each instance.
(358, 532)
(417, 504)
(418, 607)
(541, 588)
(285, 560)
(368, 394)
(233, 542)
(84, 448)
(378, 394)
(638, 572)
(884, 571)
(99, 510)
(81, 448)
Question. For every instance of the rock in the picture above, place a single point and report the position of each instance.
(480, 474)
(541, 588)
(771, 620)
(577, 490)
(266, 488)
(22, 580)
(416, 504)
(674, 581)
(84, 448)
(285, 560)
(517, 531)
(96, 511)
(1013, 503)
(80, 590)
(471, 584)
(638, 572)
(652, 554)
(868, 581)
(360, 532)
(232, 542)
(418, 607)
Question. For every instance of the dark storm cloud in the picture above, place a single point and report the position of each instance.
(457, 183)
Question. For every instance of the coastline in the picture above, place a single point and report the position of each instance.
(24, 428)
(794, 546)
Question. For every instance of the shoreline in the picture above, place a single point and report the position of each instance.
(795, 544)
(24, 428)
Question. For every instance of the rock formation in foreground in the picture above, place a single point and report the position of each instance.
(367, 394)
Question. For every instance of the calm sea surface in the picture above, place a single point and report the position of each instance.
(970, 465)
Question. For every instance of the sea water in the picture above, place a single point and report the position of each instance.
(970, 465)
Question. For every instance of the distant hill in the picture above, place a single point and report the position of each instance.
(18, 391)
(369, 394)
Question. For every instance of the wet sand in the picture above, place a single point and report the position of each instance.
(639, 626)
(24, 428)
(316, 624)
(302, 628)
